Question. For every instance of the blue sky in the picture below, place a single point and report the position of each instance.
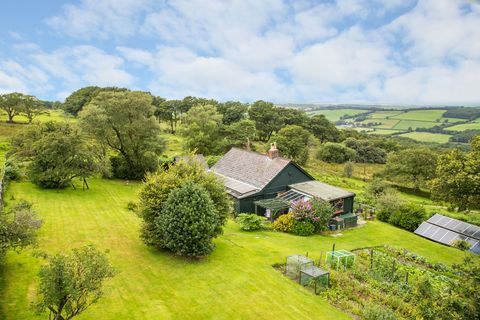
(345, 51)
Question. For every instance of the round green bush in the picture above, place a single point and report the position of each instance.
(188, 221)
(303, 228)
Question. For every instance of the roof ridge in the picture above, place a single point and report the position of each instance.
(260, 154)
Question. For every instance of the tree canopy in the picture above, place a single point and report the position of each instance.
(266, 117)
(56, 154)
(232, 111)
(457, 178)
(124, 122)
(323, 129)
(292, 142)
(411, 166)
(18, 227)
(188, 221)
(158, 186)
(69, 284)
(202, 130)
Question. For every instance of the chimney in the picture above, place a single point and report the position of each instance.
(273, 152)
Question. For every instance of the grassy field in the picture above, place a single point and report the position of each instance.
(427, 136)
(384, 132)
(384, 114)
(406, 124)
(465, 126)
(334, 115)
(50, 115)
(236, 281)
(421, 115)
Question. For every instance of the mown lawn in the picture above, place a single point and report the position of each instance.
(236, 281)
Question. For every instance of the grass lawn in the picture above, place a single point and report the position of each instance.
(421, 115)
(335, 114)
(465, 126)
(236, 281)
(427, 136)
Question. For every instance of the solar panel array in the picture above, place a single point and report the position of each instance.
(446, 230)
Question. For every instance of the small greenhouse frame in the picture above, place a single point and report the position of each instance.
(296, 263)
(314, 278)
(340, 258)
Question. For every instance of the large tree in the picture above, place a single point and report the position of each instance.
(124, 121)
(12, 104)
(266, 117)
(292, 141)
(168, 111)
(411, 166)
(241, 133)
(158, 186)
(323, 129)
(202, 130)
(232, 111)
(75, 102)
(56, 153)
(69, 284)
(458, 177)
(294, 117)
(32, 107)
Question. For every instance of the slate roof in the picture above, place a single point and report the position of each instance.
(321, 190)
(247, 172)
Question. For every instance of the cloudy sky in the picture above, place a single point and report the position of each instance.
(344, 51)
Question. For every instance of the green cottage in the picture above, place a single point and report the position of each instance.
(250, 177)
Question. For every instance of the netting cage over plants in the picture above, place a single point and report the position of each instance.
(340, 258)
(314, 278)
(295, 263)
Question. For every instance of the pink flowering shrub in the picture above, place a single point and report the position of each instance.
(314, 211)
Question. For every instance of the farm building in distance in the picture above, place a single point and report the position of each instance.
(266, 184)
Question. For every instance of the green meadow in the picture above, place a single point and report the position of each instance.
(427, 136)
(335, 114)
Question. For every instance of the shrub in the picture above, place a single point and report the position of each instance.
(387, 203)
(314, 211)
(250, 221)
(408, 216)
(336, 153)
(211, 160)
(348, 169)
(158, 186)
(303, 228)
(187, 224)
(284, 223)
(12, 171)
(132, 206)
(374, 312)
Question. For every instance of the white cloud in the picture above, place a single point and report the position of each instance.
(274, 49)
(80, 65)
(99, 19)
(10, 83)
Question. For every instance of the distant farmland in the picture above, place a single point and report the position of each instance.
(403, 123)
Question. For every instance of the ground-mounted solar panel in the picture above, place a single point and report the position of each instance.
(467, 229)
(445, 236)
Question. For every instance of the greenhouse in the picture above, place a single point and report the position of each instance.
(340, 258)
(314, 278)
(296, 263)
